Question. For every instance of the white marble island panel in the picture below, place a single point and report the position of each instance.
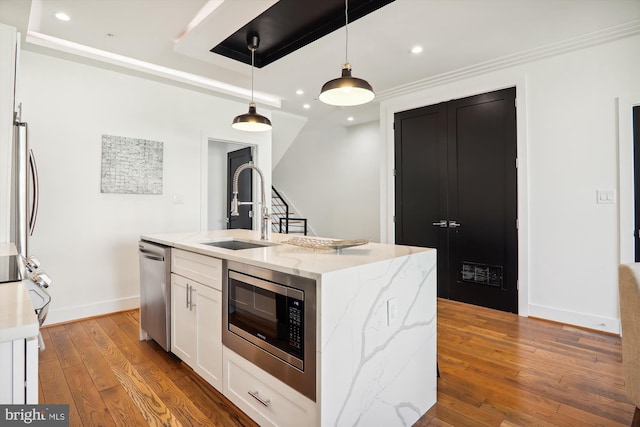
(376, 320)
(377, 369)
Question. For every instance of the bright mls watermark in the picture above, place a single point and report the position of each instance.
(34, 415)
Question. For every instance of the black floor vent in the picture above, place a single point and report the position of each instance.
(482, 274)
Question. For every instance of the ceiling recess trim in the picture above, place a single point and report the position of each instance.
(62, 45)
(290, 25)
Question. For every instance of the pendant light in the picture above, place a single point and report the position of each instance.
(252, 121)
(346, 90)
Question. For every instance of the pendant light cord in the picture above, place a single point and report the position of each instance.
(253, 51)
(346, 28)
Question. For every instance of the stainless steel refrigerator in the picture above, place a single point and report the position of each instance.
(23, 213)
(24, 186)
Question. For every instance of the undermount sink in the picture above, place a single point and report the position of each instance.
(237, 244)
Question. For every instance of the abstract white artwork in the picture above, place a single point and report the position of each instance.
(131, 166)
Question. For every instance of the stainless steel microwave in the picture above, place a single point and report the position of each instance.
(269, 318)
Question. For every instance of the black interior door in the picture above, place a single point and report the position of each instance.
(636, 179)
(456, 191)
(245, 188)
(421, 183)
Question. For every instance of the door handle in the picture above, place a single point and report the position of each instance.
(36, 190)
(442, 223)
(188, 293)
(454, 224)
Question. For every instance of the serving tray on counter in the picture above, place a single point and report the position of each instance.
(313, 243)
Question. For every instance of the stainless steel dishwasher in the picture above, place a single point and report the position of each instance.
(155, 292)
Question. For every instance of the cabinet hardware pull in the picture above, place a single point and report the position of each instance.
(191, 304)
(187, 290)
(256, 395)
(454, 224)
(442, 223)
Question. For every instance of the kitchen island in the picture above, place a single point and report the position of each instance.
(375, 327)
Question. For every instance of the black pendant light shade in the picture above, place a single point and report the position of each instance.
(252, 121)
(346, 90)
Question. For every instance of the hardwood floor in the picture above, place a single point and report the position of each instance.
(110, 378)
(497, 369)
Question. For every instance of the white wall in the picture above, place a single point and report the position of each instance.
(86, 240)
(331, 174)
(217, 191)
(286, 128)
(567, 131)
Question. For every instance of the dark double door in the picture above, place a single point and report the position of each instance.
(455, 186)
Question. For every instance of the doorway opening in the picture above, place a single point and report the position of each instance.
(218, 208)
(456, 191)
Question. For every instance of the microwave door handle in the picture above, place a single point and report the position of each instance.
(36, 192)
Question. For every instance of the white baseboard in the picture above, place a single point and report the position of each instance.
(68, 314)
(605, 324)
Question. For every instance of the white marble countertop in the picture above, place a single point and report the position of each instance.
(17, 317)
(291, 259)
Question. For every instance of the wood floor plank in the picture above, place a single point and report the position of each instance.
(49, 354)
(87, 399)
(63, 346)
(168, 363)
(95, 364)
(152, 408)
(55, 389)
(172, 396)
(122, 409)
(217, 408)
(130, 349)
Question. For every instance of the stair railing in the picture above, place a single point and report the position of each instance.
(281, 214)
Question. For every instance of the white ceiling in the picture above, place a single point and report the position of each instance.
(455, 34)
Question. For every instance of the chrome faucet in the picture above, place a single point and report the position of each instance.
(266, 216)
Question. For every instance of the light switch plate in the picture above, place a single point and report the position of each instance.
(606, 196)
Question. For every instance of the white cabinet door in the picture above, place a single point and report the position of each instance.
(196, 327)
(19, 371)
(183, 319)
(209, 340)
(267, 400)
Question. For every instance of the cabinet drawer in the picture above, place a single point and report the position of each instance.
(265, 399)
(201, 268)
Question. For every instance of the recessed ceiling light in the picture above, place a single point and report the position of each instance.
(416, 50)
(299, 92)
(350, 118)
(306, 106)
(62, 16)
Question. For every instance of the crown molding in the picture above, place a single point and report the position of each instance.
(629, 29)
